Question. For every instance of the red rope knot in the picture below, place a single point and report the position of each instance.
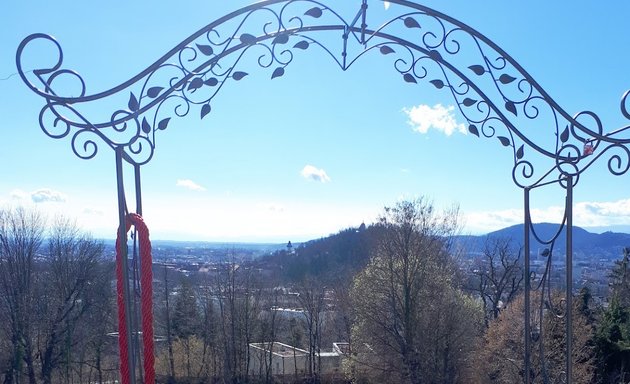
(146, 301)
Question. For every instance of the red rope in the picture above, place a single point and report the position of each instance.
(146, 302)
(122, 326)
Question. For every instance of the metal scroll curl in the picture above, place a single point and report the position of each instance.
(496, 96)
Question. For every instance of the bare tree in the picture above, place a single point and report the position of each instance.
(268, 324)
(209, 331)
(237, 311)
(21, 234)
(167, 324)
(47, 293)
(499, 275)
(311, 298)
(71, 272)
(96, 352)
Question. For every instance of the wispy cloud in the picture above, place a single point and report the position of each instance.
(386, 4)
(189, 184)
(313, 173)
(18, 194)
(585, 214)
(272, 207)
(91, 211)
(423, 117)
(46, 195)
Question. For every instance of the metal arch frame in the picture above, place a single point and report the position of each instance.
(497, 97)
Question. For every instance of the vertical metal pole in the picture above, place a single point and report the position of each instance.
(526, 226)
(122, 234)
(364, 7)
(569, 263)
(138, 190)
(137, 314)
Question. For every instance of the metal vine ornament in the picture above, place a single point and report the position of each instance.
(497, 97)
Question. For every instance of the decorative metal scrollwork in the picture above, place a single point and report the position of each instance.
(496, 96)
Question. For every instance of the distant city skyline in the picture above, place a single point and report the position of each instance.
(317, 150)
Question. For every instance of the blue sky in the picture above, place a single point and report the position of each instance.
(318, 149)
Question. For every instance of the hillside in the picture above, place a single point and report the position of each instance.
(328, 259)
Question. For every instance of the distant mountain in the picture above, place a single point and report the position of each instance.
(585, 243)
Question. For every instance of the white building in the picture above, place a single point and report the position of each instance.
(287, 360)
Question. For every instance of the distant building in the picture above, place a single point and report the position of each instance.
(285, 360)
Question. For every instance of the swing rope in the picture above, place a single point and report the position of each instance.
(146, 302)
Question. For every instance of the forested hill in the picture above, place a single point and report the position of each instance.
(328, 259)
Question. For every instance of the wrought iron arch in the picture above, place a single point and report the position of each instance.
(496, 96)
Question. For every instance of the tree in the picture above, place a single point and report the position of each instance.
(67, 293)
(501, 357)
(613, 343)
(186, 321)
(166, 324)
(311, 298)
(96, 352)
(499, 275)
(405, 292)
(209, 332)
(48, 294)
(620, 279)
(269, 323)
(238, 309)
(21, 235)
(613, 331)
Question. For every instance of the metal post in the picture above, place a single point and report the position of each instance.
(122, 234)
(569, 293)
(138, 264)
(138, 190)
(526, 226)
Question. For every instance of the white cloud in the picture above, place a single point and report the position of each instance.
(423, 117)
(386, 4)
(585, 214)
(599, 214)
(189, 184)
(312, 173)
(46, 195)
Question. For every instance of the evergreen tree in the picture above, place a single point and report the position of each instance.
(613, 334)
(185, 320)
(620, 278)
